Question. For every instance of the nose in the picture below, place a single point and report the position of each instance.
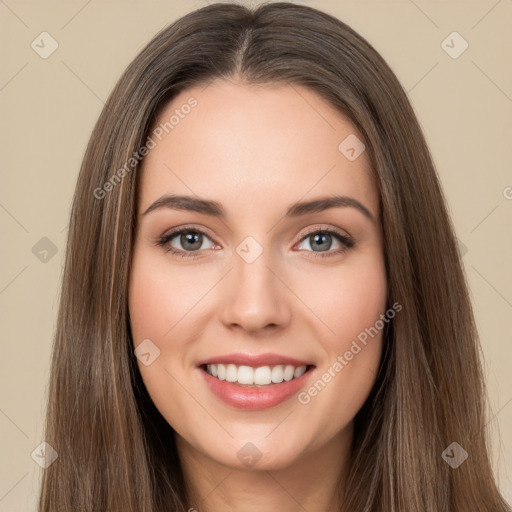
(254, 297)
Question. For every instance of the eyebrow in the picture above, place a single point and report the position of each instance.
(215, 209)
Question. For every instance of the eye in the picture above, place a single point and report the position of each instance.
(191, 241)
(322, 239)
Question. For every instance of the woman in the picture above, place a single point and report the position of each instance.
(263, 304)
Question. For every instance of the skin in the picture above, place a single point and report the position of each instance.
(257, 150)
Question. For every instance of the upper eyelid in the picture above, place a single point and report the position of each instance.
(336, 231)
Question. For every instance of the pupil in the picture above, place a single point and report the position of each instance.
(323, 246)
(191, 240)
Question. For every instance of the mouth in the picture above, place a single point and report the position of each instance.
(256, 377)
(253, 388)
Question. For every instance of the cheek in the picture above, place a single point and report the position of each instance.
(353, 310)
(158, 303)
(361, 301)
(160, 297)
(165, 307)
(350, 300)
(149, 304)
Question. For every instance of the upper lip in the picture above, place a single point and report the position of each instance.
(255, 361)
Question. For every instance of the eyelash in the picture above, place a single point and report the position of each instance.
(163, 242)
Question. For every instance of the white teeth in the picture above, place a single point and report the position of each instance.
(245, 375)
(288, 372)
(300, 370)
(231, 373)
(277, 374)
(260, 376)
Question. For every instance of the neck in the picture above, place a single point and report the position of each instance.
(311, 482)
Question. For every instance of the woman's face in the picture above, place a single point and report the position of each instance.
(268, 278)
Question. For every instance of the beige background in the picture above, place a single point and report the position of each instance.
(48, 109)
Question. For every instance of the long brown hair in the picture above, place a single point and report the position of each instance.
(115, 451)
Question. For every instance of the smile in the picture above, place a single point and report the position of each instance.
(253, 388)
(259, 376)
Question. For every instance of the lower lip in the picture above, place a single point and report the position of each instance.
(255, 398)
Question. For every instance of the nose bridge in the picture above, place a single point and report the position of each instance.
(254, 297)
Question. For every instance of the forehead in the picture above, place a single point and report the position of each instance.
(243, 144)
